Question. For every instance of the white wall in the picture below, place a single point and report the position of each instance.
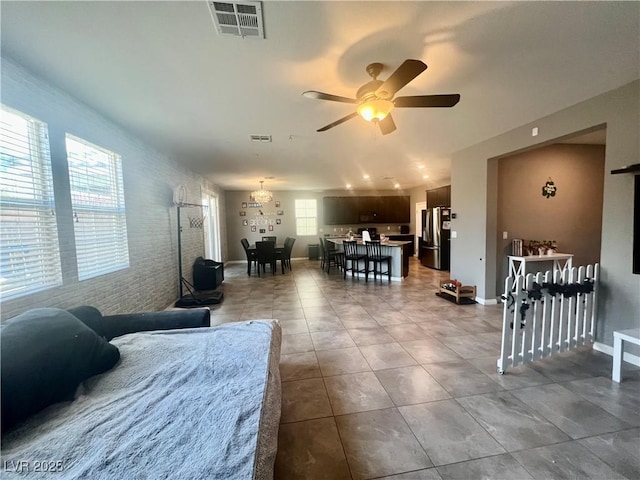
(474, 199)
(151, 281)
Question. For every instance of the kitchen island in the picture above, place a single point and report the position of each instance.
(399, 250)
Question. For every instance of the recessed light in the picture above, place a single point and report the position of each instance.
(420, 167)
(348, 185)
(397, 185)
(366, 177)
(425, 176)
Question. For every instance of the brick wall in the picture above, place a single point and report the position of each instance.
(151, 281)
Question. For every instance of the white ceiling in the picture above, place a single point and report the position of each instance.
(160, 70)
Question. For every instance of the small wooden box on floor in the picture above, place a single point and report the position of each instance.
(465, 291)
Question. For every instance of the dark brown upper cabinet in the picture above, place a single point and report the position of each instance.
(366, 210)
(439, 197)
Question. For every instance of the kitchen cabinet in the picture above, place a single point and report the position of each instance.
(409, 237)
(439, 197)
(395, 210)
(367, 210)
(340, 210)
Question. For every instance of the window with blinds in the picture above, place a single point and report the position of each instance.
(29, 252)
(97, 198)
(306, 217)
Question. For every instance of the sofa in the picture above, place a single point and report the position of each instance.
(147, 395)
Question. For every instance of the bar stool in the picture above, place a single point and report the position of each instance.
(351, 255)
(374, 254)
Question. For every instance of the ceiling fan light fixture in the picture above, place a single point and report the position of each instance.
(375, 109)
(262, 195)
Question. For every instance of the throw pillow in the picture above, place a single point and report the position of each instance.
(45, 354)
(91, 317)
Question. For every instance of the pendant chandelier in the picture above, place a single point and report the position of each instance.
(262, 195)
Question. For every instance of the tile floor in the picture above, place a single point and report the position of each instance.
(389, 381)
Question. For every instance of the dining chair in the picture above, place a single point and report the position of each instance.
(375, 256)
(284, 255)
(266, 254)
(251, 255)
(352, 255)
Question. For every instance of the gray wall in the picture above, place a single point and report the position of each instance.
(474, 198)
(151, 281)
(573, 217)
(236, 231)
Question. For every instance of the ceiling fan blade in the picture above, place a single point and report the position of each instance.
(406, 72)
(327, 96)
(337, 122)
(387, 125)
(427, 101)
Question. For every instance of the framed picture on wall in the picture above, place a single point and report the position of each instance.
(277, 204)
(278, 221)
(280, 212)
(271, 228)
(243, 213)
(262, 230)
(253, 229)
(245, 223)
(244, 204)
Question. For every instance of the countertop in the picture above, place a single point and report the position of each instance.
(388, 243)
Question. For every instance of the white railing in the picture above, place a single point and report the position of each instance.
(547, 313)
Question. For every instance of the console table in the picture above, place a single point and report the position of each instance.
(518, 265)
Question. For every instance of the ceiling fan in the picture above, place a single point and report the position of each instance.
(375, 99)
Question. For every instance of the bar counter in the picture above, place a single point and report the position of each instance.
(399, 250)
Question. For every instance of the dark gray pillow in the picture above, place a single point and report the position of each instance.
(45, 354)
(91, 317)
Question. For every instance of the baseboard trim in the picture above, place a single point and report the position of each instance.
(626, 356)
(486, 301)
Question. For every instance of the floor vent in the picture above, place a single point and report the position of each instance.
(260, 138)
(240, 19)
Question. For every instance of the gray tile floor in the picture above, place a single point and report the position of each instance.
(389, 381)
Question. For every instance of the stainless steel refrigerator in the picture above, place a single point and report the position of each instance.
(436, 246)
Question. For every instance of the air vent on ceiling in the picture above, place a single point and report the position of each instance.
(240, 19)
(260, 138)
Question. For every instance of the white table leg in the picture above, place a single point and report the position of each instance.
(617, 358)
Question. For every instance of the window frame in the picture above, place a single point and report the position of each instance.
(30, 245)
(98, 204)
(300, 207)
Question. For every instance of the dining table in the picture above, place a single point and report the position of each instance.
(279, 247)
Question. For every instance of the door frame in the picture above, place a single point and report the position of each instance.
(211, 226)
(418, 234)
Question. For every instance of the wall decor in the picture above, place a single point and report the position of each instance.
(243, 213)
(253, 228)
(280, 212)
(278, 221)
(262, 230)
(271, 228)
(549, 189)
(244, 204)
(277, 204)
(245, 223)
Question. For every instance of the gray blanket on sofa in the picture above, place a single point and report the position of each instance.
(196, 403)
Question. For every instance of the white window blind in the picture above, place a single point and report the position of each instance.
(30, 257)
(97, 198)
(306, 217)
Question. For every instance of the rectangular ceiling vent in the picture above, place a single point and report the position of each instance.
(240, 19)
(260, 138)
